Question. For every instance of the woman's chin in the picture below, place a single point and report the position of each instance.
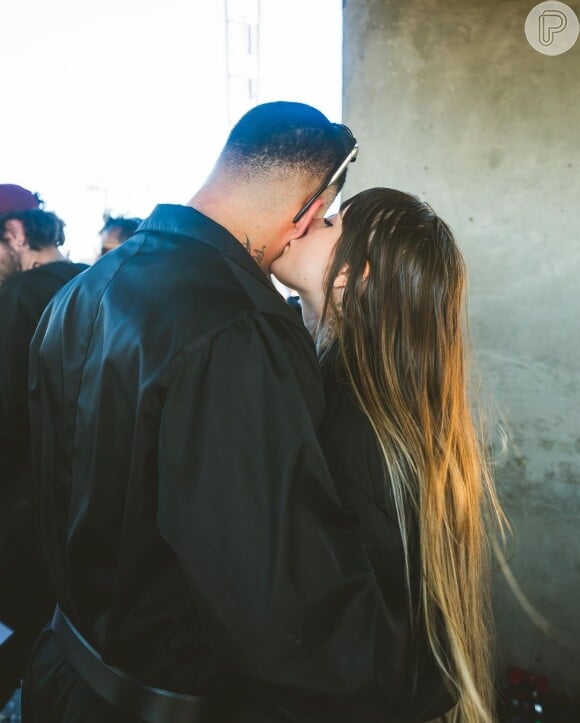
(280, 279)
(278, 272)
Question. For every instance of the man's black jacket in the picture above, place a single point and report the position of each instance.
(192, 530)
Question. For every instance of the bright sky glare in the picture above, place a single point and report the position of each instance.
(122, 104)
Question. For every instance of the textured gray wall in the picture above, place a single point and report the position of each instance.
(449, 101)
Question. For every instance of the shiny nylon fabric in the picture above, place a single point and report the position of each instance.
(195, 537)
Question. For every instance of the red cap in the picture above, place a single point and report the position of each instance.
(16, 198)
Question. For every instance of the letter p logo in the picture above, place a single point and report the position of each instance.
(552, 28)
(550, 23)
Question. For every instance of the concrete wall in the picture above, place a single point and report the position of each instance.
(448, 100)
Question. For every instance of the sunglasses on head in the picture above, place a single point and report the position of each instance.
(333, 178)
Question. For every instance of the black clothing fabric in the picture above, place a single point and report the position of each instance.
(192, 529)
(23, 298)
(414, 685)
(25, 598)
(70, 698)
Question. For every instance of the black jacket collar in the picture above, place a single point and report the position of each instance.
(187, 221)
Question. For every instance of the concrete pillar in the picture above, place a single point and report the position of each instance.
(449, 101)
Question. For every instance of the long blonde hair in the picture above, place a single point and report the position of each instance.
(401, 331)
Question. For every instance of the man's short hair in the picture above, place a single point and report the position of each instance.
(282, 136)
(41, 228)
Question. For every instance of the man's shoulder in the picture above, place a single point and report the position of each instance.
(187, 283)
(202, 258)
(167, 300)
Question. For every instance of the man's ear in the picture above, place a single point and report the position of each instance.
(301, 226)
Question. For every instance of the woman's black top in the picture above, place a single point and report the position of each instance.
(355, 460)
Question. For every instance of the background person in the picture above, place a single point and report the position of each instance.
(116, 230)
(30, 239)
(382, 288)
(32, 270)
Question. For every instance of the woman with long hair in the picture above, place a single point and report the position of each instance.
(382, 289)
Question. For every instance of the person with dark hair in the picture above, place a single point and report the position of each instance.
(30, 239)
(382, 287)
(116, 230)
(204, 567)
(32, 270)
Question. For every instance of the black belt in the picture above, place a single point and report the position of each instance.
(153, 705)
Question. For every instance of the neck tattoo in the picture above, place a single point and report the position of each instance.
(256, 254)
